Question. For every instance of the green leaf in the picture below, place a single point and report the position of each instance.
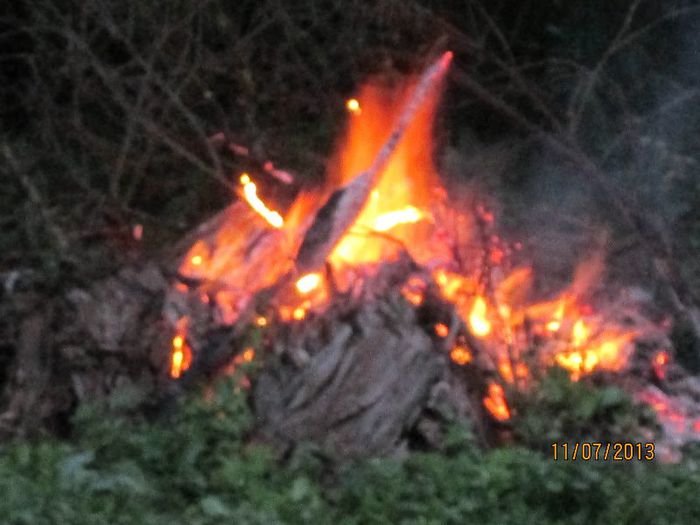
(214, 506)
(301, 489)
(611, 397)
(73, 470)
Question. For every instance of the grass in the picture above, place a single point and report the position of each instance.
(198, 467)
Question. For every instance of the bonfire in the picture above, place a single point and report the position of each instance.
(369, 294)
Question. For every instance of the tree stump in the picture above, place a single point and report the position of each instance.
(357, 393)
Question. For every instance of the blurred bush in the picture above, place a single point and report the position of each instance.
(197, 467)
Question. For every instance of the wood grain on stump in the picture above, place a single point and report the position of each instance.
(358, 393)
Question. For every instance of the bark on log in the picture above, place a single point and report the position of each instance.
(358, 394)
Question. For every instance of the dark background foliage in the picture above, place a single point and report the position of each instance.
(106, 106)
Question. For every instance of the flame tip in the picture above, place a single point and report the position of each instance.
(446, 58)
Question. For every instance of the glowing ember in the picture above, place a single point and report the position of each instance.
(415, 298)
(299, 313)
(261, 321)
(442, 330)
(250, 193)
(180, 354)
(245, 357)
(478, 323)
(137, 232)
(196, 260)
(460, 355)
(308, 283)
(353, 106)
(413, 290)
(659, 363)
(495, 403)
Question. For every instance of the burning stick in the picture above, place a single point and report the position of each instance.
(345, 204)
(219, 139)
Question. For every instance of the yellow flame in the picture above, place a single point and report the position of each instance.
(608, 353)
(353, 106)
(180, 354)
(177, 363)
(478, 323)
(579, 333)
(308, 283)
(389, 220)
(555, 324)
(250, 193)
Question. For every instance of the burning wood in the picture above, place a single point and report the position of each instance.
(301, 267)
(346, 203)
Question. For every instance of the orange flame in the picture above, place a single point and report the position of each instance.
(607, 353)
(404, 210)
(460, 355)
(505, 368)
(403, 189)
(495, 403)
